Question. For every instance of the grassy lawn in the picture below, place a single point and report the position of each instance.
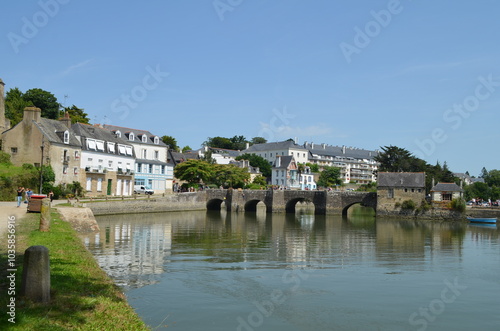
(82, 295)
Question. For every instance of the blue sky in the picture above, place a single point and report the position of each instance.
(422, 75)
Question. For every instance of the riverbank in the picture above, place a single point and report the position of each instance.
(83, 297)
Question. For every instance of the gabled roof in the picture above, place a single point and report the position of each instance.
(401, 179)
(137, 135)
(284, 160)
(288, 144)
(53, 131)
(446, 187)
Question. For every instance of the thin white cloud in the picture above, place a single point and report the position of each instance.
(68, 70)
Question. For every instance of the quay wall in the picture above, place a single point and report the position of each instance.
(173, 202)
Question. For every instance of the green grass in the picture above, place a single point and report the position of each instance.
(82, 295)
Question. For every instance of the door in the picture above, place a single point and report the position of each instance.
(110, 181)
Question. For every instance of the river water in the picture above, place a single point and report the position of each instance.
(223, 271)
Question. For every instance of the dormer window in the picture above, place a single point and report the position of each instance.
(118, 134)
(144, 138)
(131, 136)
(66, 137)
(156, 140)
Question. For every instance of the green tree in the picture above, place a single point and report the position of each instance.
(44, 100)
(493, 178)
(194, 171)
(5, 158)
(219, 142)
(330, 176)
(257, 161)
(258, 140)
(171, 142)
(229, 175)
(76, 114)
(239, 143)
(313, 166)
(207, 157)
(14, 105)
(260, 180)
(186, 149)
(396, 159)
(477, 190)
(484, 173)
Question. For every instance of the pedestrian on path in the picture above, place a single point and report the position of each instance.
(20, 192)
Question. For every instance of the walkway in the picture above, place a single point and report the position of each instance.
(7, 209)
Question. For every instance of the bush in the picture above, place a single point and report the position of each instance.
(457, 205)
(408, 205)
(5, 158)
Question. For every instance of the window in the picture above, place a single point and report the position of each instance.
(121, 149)
(88, 185)
(131, 136)
(111, 147)
(65, 169)
(157, 155)
(144, 154)
(99, 184)
(390, 193)
(150, 168)
(144, 138)
(140, 181)
(156, 140)
(100, 145)
(91, 144)
(138, 168)
(13, 150)
(77, 155)
(162, 169)
(110, 164)
(75, 170)
(118, 134)
(447, 196)
(129, 150)
(66, 137)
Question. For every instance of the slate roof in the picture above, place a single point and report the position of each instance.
(342, 151)
(149, 161)
(53, 130)
(401, 179)
(273, 146)
(137, 135)
(446, 187)
(285, 161)
(95, 132)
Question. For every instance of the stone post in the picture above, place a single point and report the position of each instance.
(36, 274)
(45, 215)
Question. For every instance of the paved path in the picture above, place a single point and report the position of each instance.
(7, 209)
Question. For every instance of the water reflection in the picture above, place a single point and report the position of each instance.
(136, 249)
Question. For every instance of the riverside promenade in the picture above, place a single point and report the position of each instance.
(7, 209)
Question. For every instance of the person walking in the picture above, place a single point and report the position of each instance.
(29, 193)
(20, 191)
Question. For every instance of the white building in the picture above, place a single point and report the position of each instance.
(356, 165)
(106, 163)
(285, 172)
(152, 169)
(270, 151)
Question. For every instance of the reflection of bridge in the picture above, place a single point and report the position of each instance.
(333, 202)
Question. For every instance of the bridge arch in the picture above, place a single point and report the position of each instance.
(251, 205)
(290, 206)
(214, 204)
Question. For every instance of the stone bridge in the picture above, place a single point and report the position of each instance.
(333, 202)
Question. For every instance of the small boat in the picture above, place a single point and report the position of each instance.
(486, 220)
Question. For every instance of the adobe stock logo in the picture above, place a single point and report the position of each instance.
(372, 28)
(457, 114)
(139, 92)
(31, 27)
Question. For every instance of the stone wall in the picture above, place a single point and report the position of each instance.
(173, 202)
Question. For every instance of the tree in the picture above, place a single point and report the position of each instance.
(330, 176)
(493, 178)
(484, 173)
(76, 114)
(396, 159)
(219, 142)
(257, 161)
(477, 190)
(229, 175)
(186, 149)
(14, 105)
(239, 143)
(44, 100)
(171, 142)
(258, 140)
(313, 166)
(260, 180)
(194, 171)
(207, 157)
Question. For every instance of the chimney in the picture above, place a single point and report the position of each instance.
(66, 120)
(278, 161)
(32, 114)
(343, 149)
(295, 140)
(247, 145)
(323, 145)
(312, 145)
(2, 107)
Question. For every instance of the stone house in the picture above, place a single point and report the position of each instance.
(37, 140)
(107, 162)
(443, 193)
(393, 188)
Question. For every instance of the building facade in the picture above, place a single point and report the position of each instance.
(394, 188)
(270, 151)
(285, 173)
(152, 169)
(444, 193)
(356, 165)
(107, 163)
